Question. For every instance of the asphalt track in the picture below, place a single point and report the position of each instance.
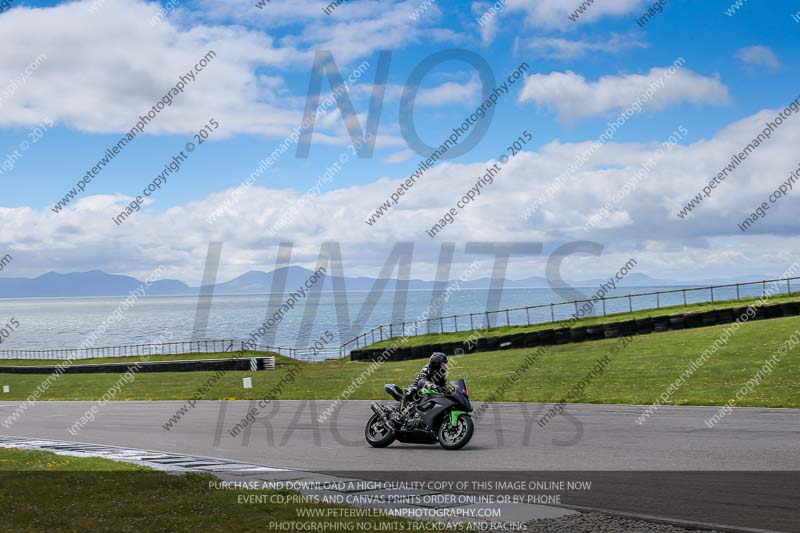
(744, 473)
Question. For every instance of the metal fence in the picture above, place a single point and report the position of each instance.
(553, 312)
(133, 350)
(518, 316)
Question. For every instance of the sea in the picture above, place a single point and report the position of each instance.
(315, 327)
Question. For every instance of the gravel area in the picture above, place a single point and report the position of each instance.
(602, 523)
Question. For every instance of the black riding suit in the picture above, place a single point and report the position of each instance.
(426, 379)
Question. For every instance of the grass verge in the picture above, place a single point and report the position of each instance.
(637, 374)
(42, 491)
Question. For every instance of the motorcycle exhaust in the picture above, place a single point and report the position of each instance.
(378, 410)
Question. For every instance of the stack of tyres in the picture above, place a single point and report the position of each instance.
(578, 334)
(661, 324)
(645, 325)
(561, 336)
(724, 316)
(790, 309)
(772, 311)
(693, 320)
(677, 322)
(594, 333)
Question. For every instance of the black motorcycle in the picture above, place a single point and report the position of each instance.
(435, 417)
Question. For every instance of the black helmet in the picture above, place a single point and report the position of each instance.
(437, 360)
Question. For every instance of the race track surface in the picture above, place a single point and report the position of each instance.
(743, 473)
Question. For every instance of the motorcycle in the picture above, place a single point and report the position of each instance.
(436, 417)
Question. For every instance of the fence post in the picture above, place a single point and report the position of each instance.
(528, 315)
(488, 324)
(471, 327)
(788, 286)
(658, 300)
(441, 325)
(552, 314)
(737, 292)
(684, 296)
(630, 304)
(712, 294)
(391, 332)
(576, 308)
(604, 306)
(455, 320)
(764, 289)
(508, 321)
(381, 332)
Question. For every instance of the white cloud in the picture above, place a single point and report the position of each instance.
(760, 56)
(354, 30)
(487, 15)
(561, 48)
(555, 13)
(103, 83)
(575, 97)
(450, 92)
(707, 243)
(399, 157)
(386, 26)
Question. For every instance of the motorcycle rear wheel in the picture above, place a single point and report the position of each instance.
(377, 434)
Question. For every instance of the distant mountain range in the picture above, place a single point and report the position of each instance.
(99, 283)
(94, 283)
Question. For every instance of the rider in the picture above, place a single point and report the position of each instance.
(433, 376)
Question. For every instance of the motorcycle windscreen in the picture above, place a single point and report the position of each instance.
(460, 385)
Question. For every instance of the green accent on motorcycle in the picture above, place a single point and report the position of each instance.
(428, 391)
(454, 417)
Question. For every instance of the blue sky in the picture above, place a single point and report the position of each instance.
(106, 63)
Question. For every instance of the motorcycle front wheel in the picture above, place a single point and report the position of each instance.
(454, 437)
(377, 434)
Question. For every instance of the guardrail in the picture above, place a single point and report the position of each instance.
(517, 316)
(132, 350)
(544, 313)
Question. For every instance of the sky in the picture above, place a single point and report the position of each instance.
(687, 89)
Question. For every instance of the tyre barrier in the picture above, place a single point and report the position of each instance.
(677, 322)
(548, 337)
(594, 333)
(644, 325)
(693, 320)
(661, 324)
(790, 309)
(627, 328)
(725, 316)
(562, 336)
(196, 365)
(577, 334)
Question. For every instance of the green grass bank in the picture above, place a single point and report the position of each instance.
(637, 374)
